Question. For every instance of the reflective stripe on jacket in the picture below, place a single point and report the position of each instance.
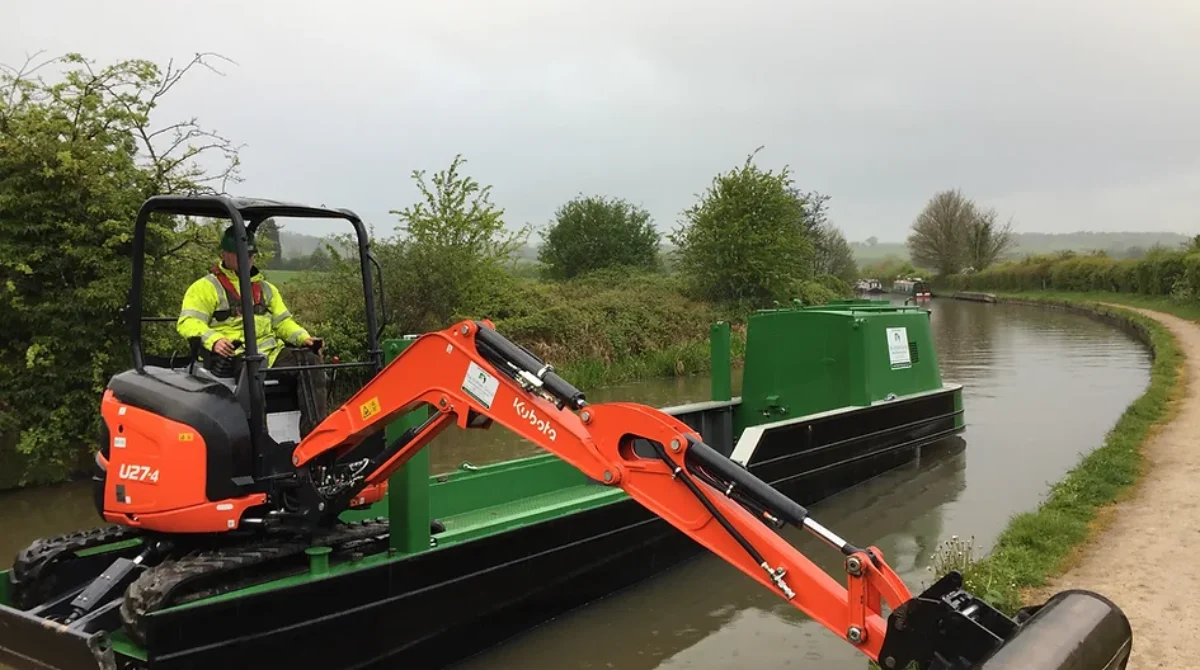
(206, 299)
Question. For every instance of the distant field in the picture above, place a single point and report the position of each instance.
(1119, 245)
(865, 255)
(282, 277)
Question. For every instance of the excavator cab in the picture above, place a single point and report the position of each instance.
(245, 412)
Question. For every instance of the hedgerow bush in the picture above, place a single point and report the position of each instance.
(1161, 272)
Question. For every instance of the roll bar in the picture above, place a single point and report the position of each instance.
(239, 211)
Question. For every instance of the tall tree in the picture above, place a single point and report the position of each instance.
(594, 232)
(745, 240)
(987, 240)
(832, 254)
(268, 231)
(815, 208)
(939, 235)
(456, 245)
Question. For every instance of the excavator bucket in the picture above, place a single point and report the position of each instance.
(1074, 629)
(946, 628)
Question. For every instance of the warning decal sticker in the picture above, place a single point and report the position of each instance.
(480, 385)
(898, 348)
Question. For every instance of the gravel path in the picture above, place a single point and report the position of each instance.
(1142, 560)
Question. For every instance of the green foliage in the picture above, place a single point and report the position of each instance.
(1037, 545)
(746, 240)
(606, 316)
(1160, 272)
(608, 326)
(892, 268)
(832, 254)
(270, 247)
(590, 233)
(456, 247)
(77, 158)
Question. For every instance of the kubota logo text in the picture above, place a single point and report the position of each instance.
(529, 415)
(138, 473)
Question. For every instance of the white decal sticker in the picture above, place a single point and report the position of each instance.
(480, 385)
(898, 348)
(119, 442)
(121, 412)
(137, 473)
(534, 420)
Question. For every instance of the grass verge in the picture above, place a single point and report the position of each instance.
(688, 358)
(1041, 544)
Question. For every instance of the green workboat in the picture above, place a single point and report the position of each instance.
(831, 396)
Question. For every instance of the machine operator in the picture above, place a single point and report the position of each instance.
(211, 311)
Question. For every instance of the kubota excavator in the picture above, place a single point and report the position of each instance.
(188, 455)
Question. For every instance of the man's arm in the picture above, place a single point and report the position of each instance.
(199, 302)
(283, 323)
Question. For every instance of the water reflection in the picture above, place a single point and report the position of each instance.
(705, 614)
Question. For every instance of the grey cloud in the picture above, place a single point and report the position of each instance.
(1066, 115)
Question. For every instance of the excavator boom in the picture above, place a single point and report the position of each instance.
(472, 376)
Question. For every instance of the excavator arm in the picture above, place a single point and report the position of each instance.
(472, 376)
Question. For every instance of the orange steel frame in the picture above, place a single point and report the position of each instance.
(598, 440)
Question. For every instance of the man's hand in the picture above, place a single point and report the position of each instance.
(224, 347)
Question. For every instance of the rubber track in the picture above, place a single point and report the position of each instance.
(191, 577)
(32, 578)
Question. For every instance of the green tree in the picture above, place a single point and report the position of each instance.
(938, 238)
(455, 248)
(832, 254)
(816, 211)
(745, 240)
(268, 240)
(986, 240)
(78, 156)
(590, 233)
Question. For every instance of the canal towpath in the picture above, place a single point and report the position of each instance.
(1143, 558)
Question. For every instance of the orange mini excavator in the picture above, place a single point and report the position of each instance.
(189, 455)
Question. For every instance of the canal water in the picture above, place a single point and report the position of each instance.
(1042, 387)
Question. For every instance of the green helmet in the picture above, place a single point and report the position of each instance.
(228, 243)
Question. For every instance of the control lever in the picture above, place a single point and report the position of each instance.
(306, 382)
(222, 366)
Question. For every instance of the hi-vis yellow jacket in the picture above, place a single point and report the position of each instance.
(210, 312)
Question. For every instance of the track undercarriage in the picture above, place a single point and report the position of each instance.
(113, 577)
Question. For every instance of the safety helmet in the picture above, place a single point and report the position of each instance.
(228, 243)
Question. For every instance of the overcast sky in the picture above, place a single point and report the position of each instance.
(1065, 115)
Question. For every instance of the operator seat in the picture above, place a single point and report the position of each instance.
(281, 395)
